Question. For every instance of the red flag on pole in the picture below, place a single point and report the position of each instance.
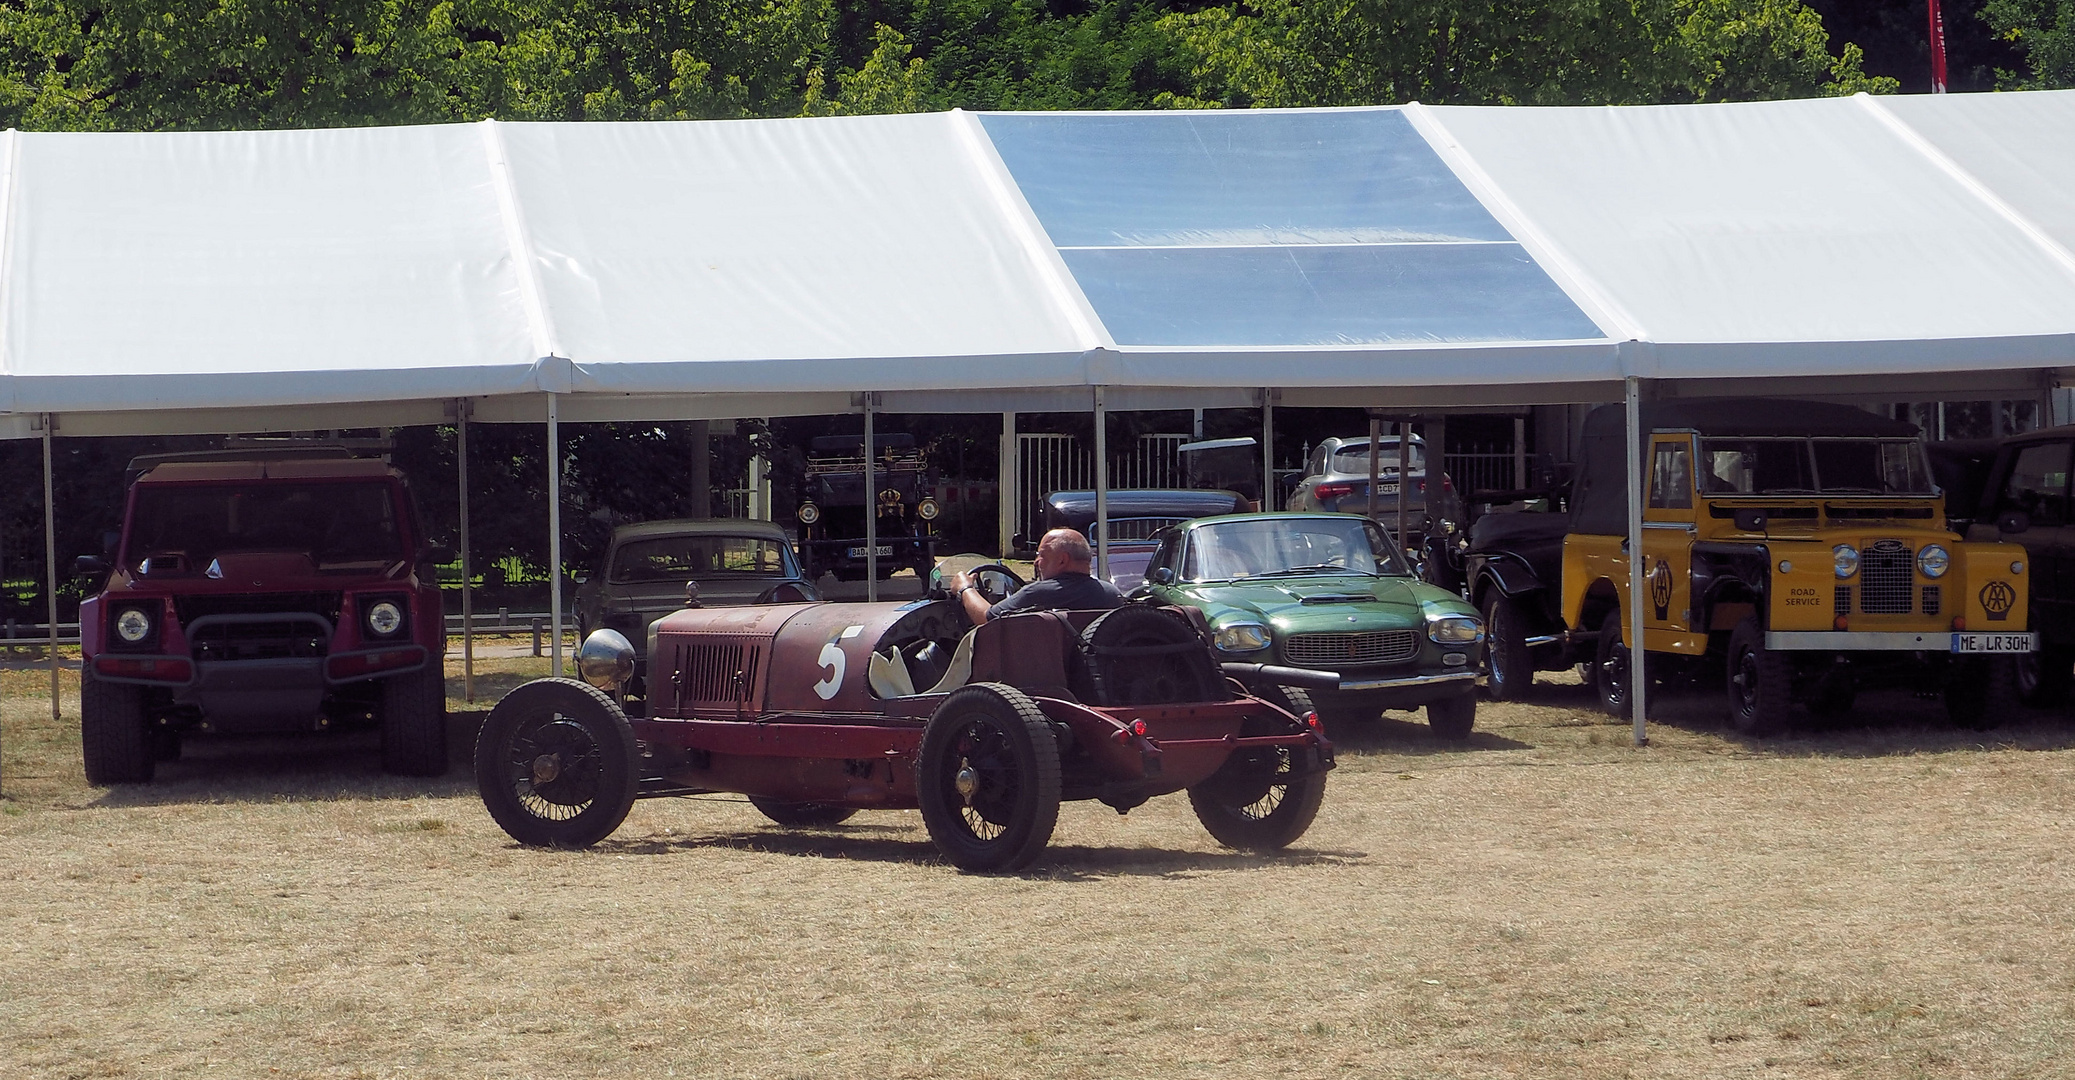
(1937, 50)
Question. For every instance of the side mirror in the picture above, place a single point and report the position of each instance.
(1161, 575)
(1750, 520)
(90, 566)
(2013, 521)
(440, 555)
(580, 576)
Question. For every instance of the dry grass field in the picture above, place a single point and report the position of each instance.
(1885, 898)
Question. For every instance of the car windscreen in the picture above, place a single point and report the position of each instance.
(1814, 466)
(1278, 547)
(675, 558)
(339, 525)
(1355, 459)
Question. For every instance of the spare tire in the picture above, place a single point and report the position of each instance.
(1138, 655)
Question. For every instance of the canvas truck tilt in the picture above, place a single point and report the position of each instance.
(819, 710)
(1800, 546)
(263, 592)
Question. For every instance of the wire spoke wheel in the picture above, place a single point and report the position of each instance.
(1260, 800)
(555, 764)
(988, 778)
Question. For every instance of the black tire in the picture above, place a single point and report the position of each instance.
(801, 815)
(1139, 655)
(1338, 711)
(1290, 699)
(1253, 804)
(165, 743)
(998, 744)
(112, 732)
(1760, 682)
(1452, 718)
(1512, 672)
(414, 722)
(1610, 669)
(1982, 692)
(2044, 677)
(555, 764)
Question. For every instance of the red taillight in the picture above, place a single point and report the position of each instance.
(1959, 622)
(1841, 623)
(1138, 727)
(1446, 483)
(132, 667)
(1333, 491)
(1311, 721)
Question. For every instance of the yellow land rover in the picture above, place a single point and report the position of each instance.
(1802, 545)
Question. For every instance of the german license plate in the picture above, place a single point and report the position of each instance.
(1386, 489)
(1992, 643)
(858, 552)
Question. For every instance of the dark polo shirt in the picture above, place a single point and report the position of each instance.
(1063, 592)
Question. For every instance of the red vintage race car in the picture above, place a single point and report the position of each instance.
(816, 711)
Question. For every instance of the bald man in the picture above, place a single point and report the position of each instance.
(1063, 583)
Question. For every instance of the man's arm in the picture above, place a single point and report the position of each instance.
(970, 598)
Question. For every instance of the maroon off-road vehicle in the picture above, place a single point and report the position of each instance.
(816, 711)
(263, 592)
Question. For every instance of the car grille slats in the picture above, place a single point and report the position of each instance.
(324, 605)
(1372, 647)
(721, 674)
(248, 638)
(1887, 578)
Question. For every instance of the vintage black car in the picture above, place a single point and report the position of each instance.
(1135, 516)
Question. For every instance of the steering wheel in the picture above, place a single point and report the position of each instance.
(995, 581)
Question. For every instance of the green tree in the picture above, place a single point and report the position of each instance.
(2045, 31)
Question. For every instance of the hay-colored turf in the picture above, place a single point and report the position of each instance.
(1886, 898)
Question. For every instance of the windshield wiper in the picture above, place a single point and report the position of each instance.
(1788, 491)
(1853, 491)
(1314, 569)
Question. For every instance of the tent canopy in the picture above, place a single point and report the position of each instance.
(962, 261)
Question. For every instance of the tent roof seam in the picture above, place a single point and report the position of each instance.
(1916, 141)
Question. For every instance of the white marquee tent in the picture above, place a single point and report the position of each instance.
(1405, 256)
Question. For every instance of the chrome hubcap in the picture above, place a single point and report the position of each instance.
(546, 768)
(968, 783)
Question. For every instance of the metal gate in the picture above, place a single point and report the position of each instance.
(1048, 463)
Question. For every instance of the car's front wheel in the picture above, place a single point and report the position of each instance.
(414, 722)
(1512, 673)
(1610, 669)
(556, 764)
(2043, 677)
(987, 778)
(112, 734)
(1982, 692)
(1452, 718)
(1760, 682)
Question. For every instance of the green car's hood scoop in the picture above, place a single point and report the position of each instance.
(1293, 596)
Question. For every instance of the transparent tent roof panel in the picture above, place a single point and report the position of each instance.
(1262, 229)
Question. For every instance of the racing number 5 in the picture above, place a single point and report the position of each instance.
(833, 663)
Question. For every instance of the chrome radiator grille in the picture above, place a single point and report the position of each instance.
(1887, 578)
(1375, 647)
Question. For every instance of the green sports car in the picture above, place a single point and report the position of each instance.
(1329, 592)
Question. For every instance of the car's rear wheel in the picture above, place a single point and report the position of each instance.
(801, 815)
(987, 778)
(555, 764)
(414, 722)
(1452, 718)
(1512, 673)
(1760, 683)
(1610, 669)
(112, 733)
(1982, 692)
(1256, 802)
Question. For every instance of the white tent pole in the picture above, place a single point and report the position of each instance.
(1267, 446)
(1008, 474)
(1633, 395)
(50, 565)
(1102, 486)
(1404, 485)
(871, 490)
(555, 532)
(462, 407)
(1375, 461)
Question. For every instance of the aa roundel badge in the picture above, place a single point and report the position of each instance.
(1997, 598)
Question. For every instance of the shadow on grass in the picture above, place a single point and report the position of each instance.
(1883, 723)
(1391, 735)
(326, 766)
(900, 844)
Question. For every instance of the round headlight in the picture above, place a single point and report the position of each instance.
(1786, 567)
(809, 513)
(384, 618)
(606, 660)
(1846, 559)
(1242, 637)
(132, 625)
(927, 509)
(1933, 560)
(1455, 629)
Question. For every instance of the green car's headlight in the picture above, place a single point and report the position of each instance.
(1455, 629)
(1242, 637)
